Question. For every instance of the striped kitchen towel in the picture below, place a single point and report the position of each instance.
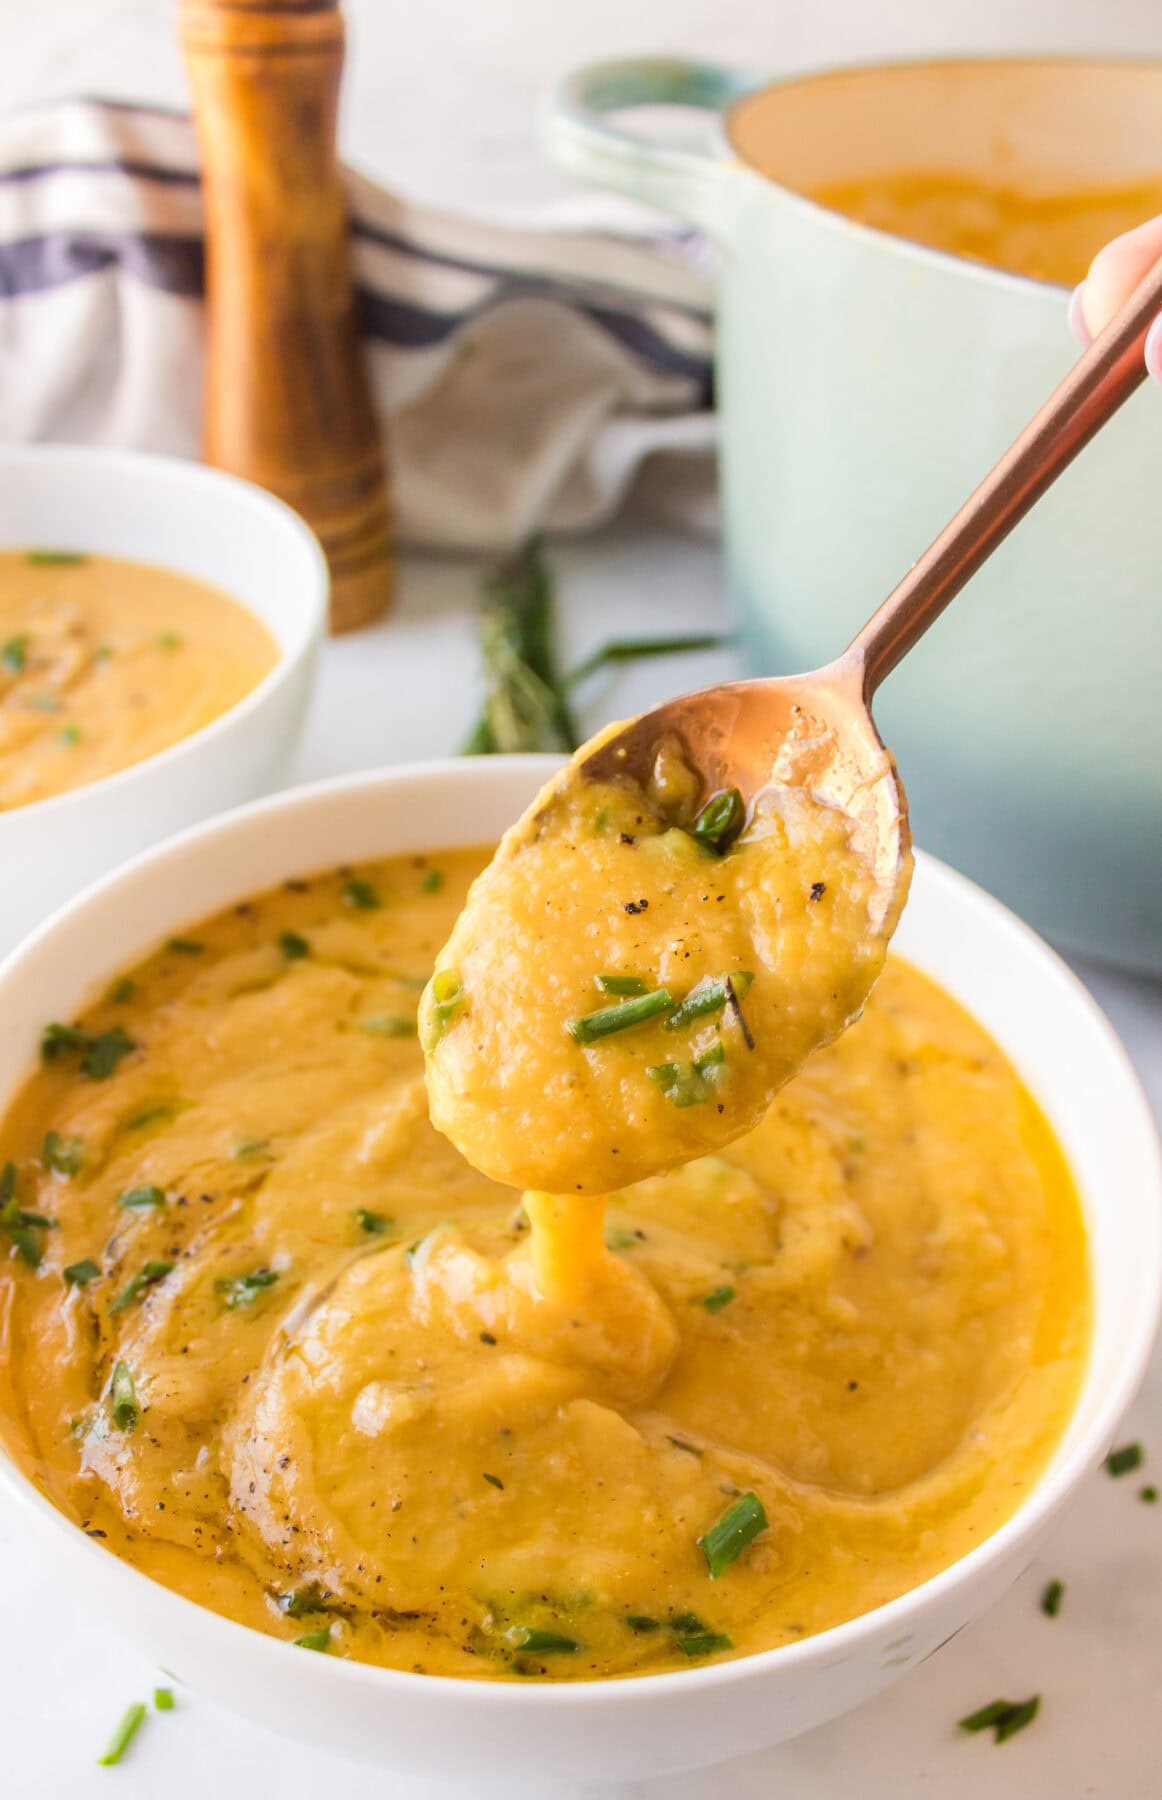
(526, 375)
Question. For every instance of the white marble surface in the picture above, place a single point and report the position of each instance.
(406, 689)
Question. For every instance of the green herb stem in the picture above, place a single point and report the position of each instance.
(729, 1536)
(123, 1395)
(720, 821)
(607, 1020)
(124, 1735)
(707, 996)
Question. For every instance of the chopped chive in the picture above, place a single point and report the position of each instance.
(165, 1109)
(494, 1480)
(703, 1643)
(55, 559)
(69, 734)
(64, 1155)
(19, 1226)
(314, 1640)
(639, 1623)
(729, 1536)
(362, 895)
(14, 652)
(1122, 1460)
(707, 996)
(147, 1277)
(299, 1601)
(1149, 1495)
(375, 1224)
(123, 991)
(600, 821)
(689, 1084)
(617, 1239)
(250, 1149)
(142, 1197)
(243, 1290)
(169, 640)
(718, 1298)
(720, 821)
(184, 946)
(293, 947)
(124, 1397)
(99, 1054)
(131, 1723)
(433, 881)
(44, 703)
(1004, 1718)
(79, 1274)
(388, 1025)
(447, 1001)
(623, 985)
(608, 1019)
(163, 1699)
(103, 652)
(687, 1622)
(541, 1643)
(1052, 1596)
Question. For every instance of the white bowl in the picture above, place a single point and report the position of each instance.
(594, 1731)
(202, 523)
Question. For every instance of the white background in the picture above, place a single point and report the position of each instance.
(439, 102)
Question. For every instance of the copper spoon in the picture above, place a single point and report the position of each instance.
(817, 730)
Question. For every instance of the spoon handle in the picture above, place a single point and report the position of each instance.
(1096, 385)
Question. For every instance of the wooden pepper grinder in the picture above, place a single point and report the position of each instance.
(286, 399)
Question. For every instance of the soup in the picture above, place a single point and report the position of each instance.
(105, 662)
(1050, 237)
(268, 1337)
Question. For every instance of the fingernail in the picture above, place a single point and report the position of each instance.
(1154, 349)
(1076, 317)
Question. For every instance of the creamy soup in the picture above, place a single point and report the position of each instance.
(1051, 237)
(105, 662)
(267, 1336)
(622, 994)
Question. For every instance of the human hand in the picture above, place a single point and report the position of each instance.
(1113, 275)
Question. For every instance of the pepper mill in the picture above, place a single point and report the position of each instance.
(286, 395)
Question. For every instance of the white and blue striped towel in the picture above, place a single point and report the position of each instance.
(525, 375)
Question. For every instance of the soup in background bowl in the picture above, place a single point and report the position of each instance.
(178, 689)
(325, 948)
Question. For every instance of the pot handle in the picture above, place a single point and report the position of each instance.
(672, 178)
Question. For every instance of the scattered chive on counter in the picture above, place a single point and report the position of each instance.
(590, 1027)
(1051, 1597)
(123, 1736)
(729, 1536)
(163, 1699)
(1004, 1718)
(1124, 1459)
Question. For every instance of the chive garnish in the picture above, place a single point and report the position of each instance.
(1004, 1718)
(600, 821)
(142, 1197)
(123, 991)
(314, 1640)
(1149, 1495)
(79, 1274)
(707, 996)
(1122, 1460)
(148, 1276)
(541, 1643)
(250, 1149)
(729, 1536)
(703, 1643)
(163, 1699)
(58, 559)
(99, 1053)
(639, 1623)
(293, 947)
(243, 1290)
(165, 1109)
(184, 946)
(14, 652)
(131, 1723)
(433, 881)
(375, 1224)
(1051, 1597)
(299, 1601)
(362, 895)
(124, 1397)
(607, 1019)
(689, 1084)
(69, 734)
(493, 1480)
(720, 820)
(718, 1298)
(19, 1226)
(65, 1155)
(617, 1239)
(622, 985)
(448, 999)
(388, 1025)
(169, 640)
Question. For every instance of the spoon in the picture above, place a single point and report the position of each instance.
(816, 730)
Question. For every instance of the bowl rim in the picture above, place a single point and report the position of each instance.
(1067, 1465)
(290, 655)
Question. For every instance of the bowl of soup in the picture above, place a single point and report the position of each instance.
(897, 245)
(158, 629)
(400, 1460)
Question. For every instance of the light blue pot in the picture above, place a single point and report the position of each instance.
(865, 386)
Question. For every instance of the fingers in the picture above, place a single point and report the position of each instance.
(1113, 275)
